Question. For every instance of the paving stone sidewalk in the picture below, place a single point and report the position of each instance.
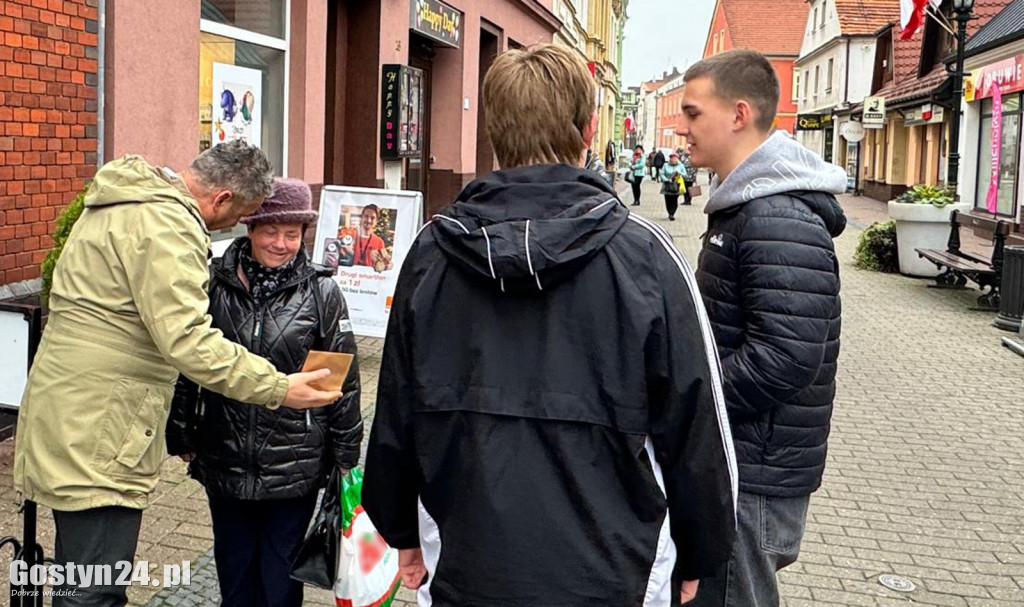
(926, 464)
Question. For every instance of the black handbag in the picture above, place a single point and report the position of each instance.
(317, 562)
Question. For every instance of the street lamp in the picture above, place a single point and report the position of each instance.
(962, 10)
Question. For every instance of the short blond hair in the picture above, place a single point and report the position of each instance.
(538, 103)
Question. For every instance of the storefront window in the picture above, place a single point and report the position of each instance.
(242, 73)
(1008, 156)
(265, 17)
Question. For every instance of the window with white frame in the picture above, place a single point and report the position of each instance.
(828, 77)
(250, 37)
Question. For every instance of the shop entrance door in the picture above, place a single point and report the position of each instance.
(421, 56)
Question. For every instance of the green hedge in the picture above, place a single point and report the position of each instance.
(876, 249)
(65, 222)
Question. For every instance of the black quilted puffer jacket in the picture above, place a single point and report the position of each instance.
(251, 452)
(769, 278)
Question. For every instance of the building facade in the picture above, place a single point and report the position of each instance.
(990, 175)
(603, 50)
(670, 114)
(573, 31)
(49, 126)
(630, 137)
(741, 24)
(909, 146)
(835, 70)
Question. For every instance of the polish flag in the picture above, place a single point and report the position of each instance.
(912, 16)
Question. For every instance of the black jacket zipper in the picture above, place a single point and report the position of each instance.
(250, 435)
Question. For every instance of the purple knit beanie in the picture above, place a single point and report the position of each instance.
(290, 202)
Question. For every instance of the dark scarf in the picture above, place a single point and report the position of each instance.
(264, 281)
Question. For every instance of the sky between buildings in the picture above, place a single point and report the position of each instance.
(661, 34)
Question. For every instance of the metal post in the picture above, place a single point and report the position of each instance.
(953, 171)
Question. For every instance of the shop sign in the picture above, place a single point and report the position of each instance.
(1007, 74)
(437, 21)
(926, 114)
(992, 196)
(874, 112)
(401, 109)
(852, 131)
(813, 122)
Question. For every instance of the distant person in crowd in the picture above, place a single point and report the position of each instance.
(659, 163)
(769, 276)
(568, 443)
(689, 177)
(637, 168)
(673, 183)
(128, 312)
(650, 166)
(262, 468)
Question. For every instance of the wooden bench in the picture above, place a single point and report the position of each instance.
(958, 267)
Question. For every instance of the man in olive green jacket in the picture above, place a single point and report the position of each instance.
(128, 312)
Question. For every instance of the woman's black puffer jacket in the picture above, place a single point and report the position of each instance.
(251, 452)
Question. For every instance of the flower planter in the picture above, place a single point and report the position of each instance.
(921, 226)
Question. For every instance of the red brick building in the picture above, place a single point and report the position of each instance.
(48, 122)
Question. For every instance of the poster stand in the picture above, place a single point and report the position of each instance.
(364, 234)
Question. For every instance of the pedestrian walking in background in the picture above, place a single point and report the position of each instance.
(673, 183)
(128, 311)
(637, 169)
(769, 276)
(596, 469)
(659, 162)
(653, 172)
(262, 468)
(689, 177)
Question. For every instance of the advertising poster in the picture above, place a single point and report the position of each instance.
(237, 104)
(364, 234)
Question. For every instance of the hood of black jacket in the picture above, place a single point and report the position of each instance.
(529, 228)
(826, 206)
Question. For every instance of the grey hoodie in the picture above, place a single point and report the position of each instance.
(778, 165)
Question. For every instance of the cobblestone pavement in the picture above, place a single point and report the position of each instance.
(926, 464)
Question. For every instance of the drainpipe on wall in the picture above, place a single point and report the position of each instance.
(101, 52)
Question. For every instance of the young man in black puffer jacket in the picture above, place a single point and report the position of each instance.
(769, 278)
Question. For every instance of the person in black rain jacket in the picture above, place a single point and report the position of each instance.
(549, 427)
(262, 468)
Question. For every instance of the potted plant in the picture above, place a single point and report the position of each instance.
(922, 222)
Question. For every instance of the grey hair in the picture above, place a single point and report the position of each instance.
(236, 166)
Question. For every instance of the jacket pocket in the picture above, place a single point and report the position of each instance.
(137, 416)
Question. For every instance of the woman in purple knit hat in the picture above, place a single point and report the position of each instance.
(262, 468)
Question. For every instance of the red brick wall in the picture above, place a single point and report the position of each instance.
(48, 116)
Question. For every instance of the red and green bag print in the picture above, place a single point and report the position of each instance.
(367, 566)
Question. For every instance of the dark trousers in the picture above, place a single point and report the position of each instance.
(768, 540)
(98, 536)
(254, 544)
(687, 199)
(671, 204)
(635, 184)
